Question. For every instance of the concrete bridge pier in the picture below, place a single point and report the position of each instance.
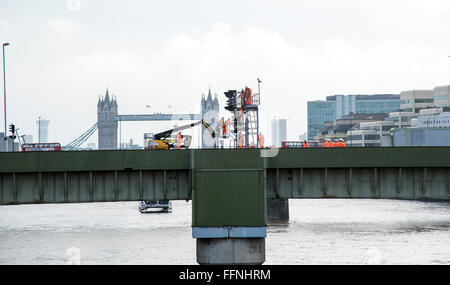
(231, 245)
(242, 251)
(229, 207)
(277, 210)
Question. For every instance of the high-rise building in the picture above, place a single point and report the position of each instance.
(441, 96)
(415, 100)
(320, 112)
(42, 127)
(279, 131)
(338, 106)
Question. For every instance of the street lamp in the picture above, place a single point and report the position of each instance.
(39, 129)
(4, 91)
(257, 114)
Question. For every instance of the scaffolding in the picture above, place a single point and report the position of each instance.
(245, 120)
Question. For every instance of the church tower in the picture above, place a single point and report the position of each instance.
(107, 125)
(210, 113)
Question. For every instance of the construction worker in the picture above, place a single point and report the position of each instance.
(342, 143)
(227, 126)
(261, 140)
(241, 140)
(326, 143)
(242, 98)
(335, 144)
(179, 140)
(221, 123)
(223, 127)
(305, 143)
(248, 96)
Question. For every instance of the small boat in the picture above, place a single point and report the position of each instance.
(156, 206)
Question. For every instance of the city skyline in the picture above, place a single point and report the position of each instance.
(63, 57)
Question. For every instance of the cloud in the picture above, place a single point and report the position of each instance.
(64, 28)
(182, 67)
(3, 25)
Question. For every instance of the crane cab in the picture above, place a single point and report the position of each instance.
(157, 144)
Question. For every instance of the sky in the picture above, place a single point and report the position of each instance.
(64, 53)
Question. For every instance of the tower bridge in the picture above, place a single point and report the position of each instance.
(234, 192)
(108, 119)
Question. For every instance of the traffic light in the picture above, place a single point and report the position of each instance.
(231, 101)
(12, 129)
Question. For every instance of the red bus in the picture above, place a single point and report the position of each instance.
(41, 147)
(298, 144)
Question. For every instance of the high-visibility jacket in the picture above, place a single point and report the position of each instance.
(242, 98)
(335, 144)
(178, 140)
(248, 96)
(341, 144)
(223, 126)
(306, 144)
(241, 141)
(261, 140)
(326, 144)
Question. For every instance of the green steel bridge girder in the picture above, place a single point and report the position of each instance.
(110, 160)
(119, 160)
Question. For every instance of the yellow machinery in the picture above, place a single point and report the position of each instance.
(163, 140)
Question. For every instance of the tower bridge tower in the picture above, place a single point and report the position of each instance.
(210, 113)
(107, 125)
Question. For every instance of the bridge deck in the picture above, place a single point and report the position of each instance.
(132, 175)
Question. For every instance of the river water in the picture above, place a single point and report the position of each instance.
(319, 232)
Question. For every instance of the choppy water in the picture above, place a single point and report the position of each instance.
(319, 232)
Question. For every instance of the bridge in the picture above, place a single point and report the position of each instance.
(157, 117)
(234, 192)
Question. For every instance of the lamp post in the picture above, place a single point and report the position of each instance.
(4, 92)
(257, 115)
(351, 127)
(39, 129)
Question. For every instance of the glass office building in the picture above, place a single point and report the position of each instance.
(319, 112)
(337, 106)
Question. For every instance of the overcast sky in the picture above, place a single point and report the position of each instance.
(63, 54)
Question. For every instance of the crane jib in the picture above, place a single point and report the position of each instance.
(165, 134)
